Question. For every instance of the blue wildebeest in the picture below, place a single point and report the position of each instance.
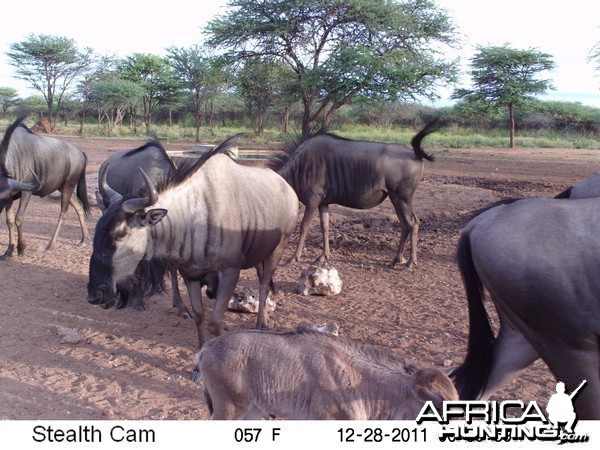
(25, 156)
(126, 181)
(540, 261)
(213, 216)
(327, 169)
(310, 375)
(590, 187)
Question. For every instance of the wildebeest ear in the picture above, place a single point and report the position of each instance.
(152, 217)
(433, 385)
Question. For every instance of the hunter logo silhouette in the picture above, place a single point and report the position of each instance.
(560, 407)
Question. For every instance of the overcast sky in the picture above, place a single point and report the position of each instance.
(565, 30)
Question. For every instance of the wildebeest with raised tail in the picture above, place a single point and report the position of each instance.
(32, 164)
(327, 169)
(121, 172)
(539, 259)
(213, 216)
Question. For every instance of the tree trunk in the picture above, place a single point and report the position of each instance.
(511, 119)
(286, 119)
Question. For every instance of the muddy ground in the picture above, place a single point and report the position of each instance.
(136, 365)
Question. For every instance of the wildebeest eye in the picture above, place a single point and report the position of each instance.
(119, 234)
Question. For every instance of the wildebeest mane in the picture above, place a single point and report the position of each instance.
(154, 142)
(185, 171)
(6, 140)
(290, 145)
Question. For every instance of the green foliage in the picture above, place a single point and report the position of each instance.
(9, 97)
(49, 64)
(154, 75)
(200, 75)
(342, 49)
(506, 77)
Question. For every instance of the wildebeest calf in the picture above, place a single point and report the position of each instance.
(312, 375)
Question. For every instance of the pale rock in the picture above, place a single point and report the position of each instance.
(245, 300)
(320, 280)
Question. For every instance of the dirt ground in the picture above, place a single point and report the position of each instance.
(136, 365)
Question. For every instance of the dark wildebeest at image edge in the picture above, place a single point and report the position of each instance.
(120, 177)
(31, 164)
(539, 259)
(213, 216)
(327, 169)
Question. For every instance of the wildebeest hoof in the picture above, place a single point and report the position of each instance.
(266, 327)
(290, 262)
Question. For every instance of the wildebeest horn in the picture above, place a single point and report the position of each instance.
(135, 204)
(15, 185)
(106, 191)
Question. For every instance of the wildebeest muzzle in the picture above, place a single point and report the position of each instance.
(101, 295)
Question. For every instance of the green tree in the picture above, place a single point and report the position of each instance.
(50, 64)
(505, 77)
(256, 83)
(103, 69)
(342, 49)
(114, 98)
(155, 76)
(199, 74)
(9, 97)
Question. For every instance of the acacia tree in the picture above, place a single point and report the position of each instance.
(341, 49)
(8, 97)
(505, 77)
(198, 73)
(102, 69)
(154, 75)
(114, 98)
(49, 64)
(257, 82)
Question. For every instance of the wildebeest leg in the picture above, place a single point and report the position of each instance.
(177, 300)
(228, 279)
(74, 202)
(324, 219)
(19, 219)
(266, 282)
(10, 224)
(409, 224)
(65, 198)
(197, 313)
(309, 212)
(512, 354)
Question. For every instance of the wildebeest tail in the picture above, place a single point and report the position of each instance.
(472, 375)
(82, 192)
(432, 126)
(6, 139)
